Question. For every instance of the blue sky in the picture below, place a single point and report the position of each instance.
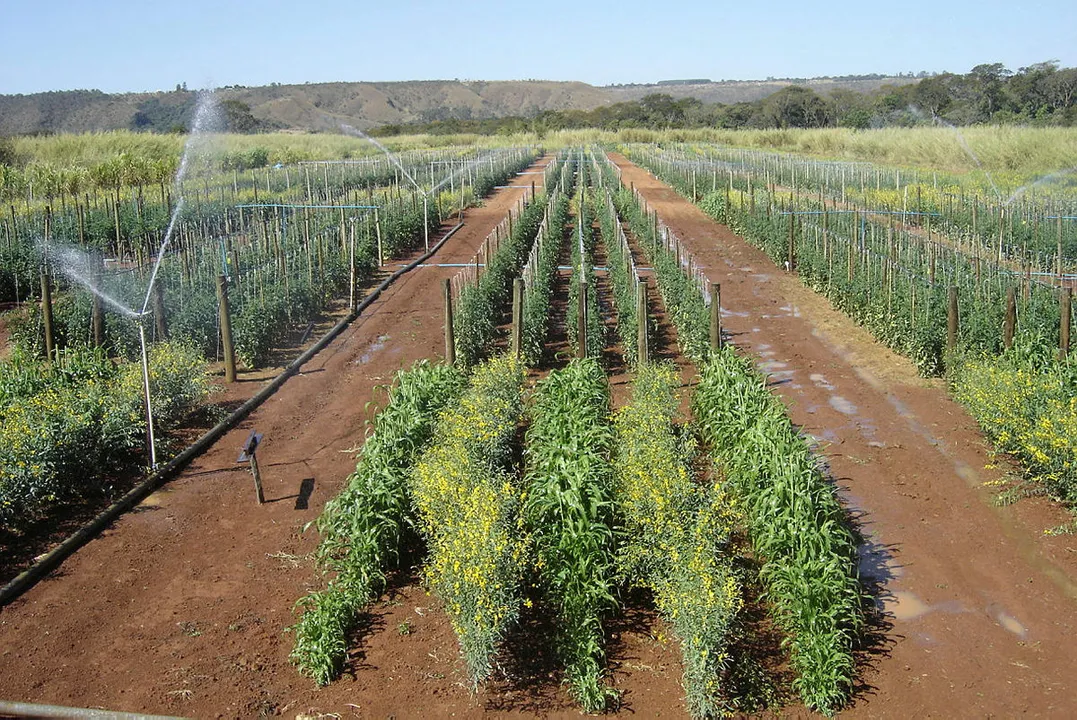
(123, 45)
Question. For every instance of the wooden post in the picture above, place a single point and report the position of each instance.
(450, 340)
(46, 314)
(581, 320)
(517, 316)
(716, 316)
(642, 349)
(257, 478)
(226, 330)
(1010, 323)
(97, 311)
(159, 319)
(1066, 301)
(1060, 246)
(952, 320)
(792, 260)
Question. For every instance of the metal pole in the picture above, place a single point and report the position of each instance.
(426, 224)
(146, 387)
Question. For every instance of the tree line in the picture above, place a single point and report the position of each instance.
(1041, 94)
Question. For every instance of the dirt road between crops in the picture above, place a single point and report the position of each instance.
(180, 607)
(979, 605)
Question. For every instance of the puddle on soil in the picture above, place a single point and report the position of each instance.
(1006, 621)
(771, 366)
(154, 499)
(904, 605)
(734, 313)
(791, 309)
(761, 277)
(842, 405)
(374, 348)
(820, 381)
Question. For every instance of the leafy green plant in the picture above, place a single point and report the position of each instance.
(570, 515)
(468, 507)
(363, 527)
(796, 524)
(676, 535)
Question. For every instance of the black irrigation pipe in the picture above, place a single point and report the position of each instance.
(32, 575)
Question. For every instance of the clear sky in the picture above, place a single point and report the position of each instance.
(124, 45)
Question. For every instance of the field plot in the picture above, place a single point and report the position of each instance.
(621, 497)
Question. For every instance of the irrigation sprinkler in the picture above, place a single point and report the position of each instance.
(146, 388)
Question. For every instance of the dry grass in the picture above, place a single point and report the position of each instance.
(1010, 153)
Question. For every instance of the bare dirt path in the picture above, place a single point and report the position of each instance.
(979, 606)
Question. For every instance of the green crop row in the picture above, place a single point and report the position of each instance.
(682, 298)
(538, 292)
(571, 516)
(622, 277)
(676, 535)
(797, 525)
(363, 527)
(482, 305)
(468, 505)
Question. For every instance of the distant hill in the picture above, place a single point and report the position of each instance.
(324, 106)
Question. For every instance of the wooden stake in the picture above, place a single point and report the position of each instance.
(642, 350)
(716, 316)
(46, 314)
(97, 311)
(581, 320)
(257, 479)
(1010, 323)
(1066, 302)
(226, 330)
(159, 319)
(450, 340)
(517, 316)
(952, 320)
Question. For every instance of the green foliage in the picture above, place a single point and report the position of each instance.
(481, 306)
(468, 504)
(1027, 406)
(622, 278)
(66, 426)
(796, 523)
(680, 295)
(570, 514)
(537, 295)
(676, 535)
(582, 244)
(363, 527)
